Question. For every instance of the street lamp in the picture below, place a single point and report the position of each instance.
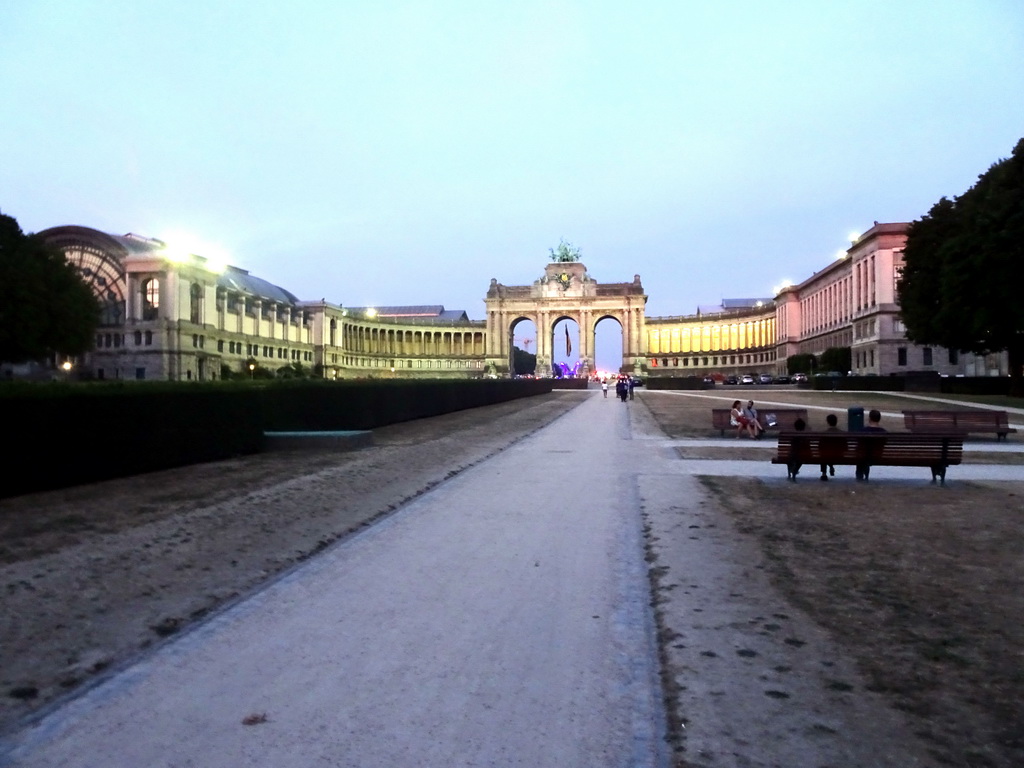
(252, 367)
(66, 365)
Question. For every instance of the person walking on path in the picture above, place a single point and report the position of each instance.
(630, 384)
(604, 387)
(620, 389)
(874, 425)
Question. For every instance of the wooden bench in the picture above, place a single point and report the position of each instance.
(958, 421)
(784, 418)
(873, 449)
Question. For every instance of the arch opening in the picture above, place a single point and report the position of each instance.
(608, 346)
(565, 349)
(523, 347)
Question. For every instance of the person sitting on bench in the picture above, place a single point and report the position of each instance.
(751, 413)
(798, 443)
(740, 421)
(833, 423)
(874, 425)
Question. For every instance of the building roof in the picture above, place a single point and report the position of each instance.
(421, 312)
(235, 279)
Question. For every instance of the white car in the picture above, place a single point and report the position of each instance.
(746, 379)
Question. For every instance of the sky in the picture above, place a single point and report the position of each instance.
(387, 153)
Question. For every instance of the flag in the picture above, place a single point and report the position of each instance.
(568, 344)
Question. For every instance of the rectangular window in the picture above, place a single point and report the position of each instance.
(140, 373)
(901, 356)
(926, 355)
(954, 357)
(220, 345)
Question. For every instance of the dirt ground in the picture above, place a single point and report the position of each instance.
(921, 585)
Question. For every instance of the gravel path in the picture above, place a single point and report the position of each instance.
(501, 619)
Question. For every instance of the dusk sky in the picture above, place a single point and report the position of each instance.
(380, 152)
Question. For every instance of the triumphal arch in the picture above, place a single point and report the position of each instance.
(565, 291)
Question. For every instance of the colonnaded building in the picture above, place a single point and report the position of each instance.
(181, 317)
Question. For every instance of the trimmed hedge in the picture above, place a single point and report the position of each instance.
(60, 435)
(65, 435)
(354, 404)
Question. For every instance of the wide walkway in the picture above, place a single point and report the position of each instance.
(502, 619)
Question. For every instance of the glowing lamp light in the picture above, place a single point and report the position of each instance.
(854, 237)
(176, 255)
(216, 263)
(841, 254)
(66, 365)
(371, 312)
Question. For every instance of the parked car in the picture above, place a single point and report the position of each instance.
(746, 379)
(764, 378)
(783, 379)
(732, 379)
(709, 380)
(637, 381)
(799, 377)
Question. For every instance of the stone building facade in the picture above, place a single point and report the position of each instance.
(181, 317)
(853, 302)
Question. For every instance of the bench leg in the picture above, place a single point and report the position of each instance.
(939, 472)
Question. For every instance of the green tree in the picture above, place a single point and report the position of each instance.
(836, 359)
(523, 362)
(46, 309)
(803, 363)
(962, 263)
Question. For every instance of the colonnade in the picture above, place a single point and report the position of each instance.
(711, 337)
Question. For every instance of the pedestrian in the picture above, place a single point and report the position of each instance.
(874, 425)
(630, 383)
(604, 387)
(620, 389)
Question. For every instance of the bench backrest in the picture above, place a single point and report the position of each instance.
(956, 420)
(870, 447)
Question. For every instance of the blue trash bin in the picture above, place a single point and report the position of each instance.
(855, 419)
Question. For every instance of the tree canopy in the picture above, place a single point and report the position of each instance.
(523, 362)
(963, 263)
(45, 307)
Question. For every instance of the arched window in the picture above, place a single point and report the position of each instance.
(150, 298)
